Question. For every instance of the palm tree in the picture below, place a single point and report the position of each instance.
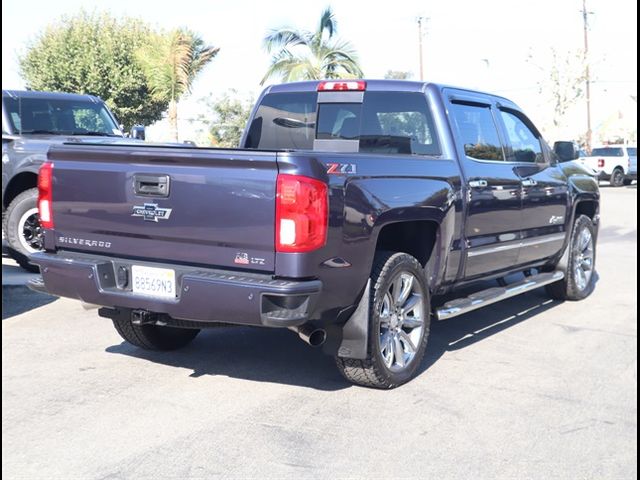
(304, 55)
(171, 62)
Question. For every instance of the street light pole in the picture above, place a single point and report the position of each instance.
(586, 71)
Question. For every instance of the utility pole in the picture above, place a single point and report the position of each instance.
(585, 22)
(420, 35)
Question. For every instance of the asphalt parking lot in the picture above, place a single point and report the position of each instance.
(529, 388)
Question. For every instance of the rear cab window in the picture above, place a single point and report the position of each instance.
(607, 152)
(284, 121)
(385, 122)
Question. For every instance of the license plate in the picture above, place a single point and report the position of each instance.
(156, 282)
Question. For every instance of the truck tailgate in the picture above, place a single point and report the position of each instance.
(216, 207)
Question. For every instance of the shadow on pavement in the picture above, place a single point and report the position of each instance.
(19, 299)
(278, 356)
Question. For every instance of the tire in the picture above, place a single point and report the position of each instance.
(389, 271)
(617, 177)
(17, 221)
(627, 182)
(154, 337)
(573, 286)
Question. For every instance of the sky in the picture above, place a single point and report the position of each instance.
(492, 45)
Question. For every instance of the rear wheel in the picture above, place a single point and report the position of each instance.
(154, 337)
(22, 228)
(580, 278)
(398, 324)
(617, 178)
(627, 182)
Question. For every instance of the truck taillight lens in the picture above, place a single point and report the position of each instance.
(301, 213)
(45, 196)
(601, 163)
(342, 86)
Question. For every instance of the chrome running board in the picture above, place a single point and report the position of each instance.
(483, 298)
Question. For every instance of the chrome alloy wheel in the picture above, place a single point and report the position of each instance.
(583, 259)
(401, 313)
(30, 231)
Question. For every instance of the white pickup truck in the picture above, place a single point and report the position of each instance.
(616, 163)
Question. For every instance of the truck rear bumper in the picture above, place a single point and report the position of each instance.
(203, 295)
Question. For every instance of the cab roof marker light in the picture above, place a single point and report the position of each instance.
(342, 86)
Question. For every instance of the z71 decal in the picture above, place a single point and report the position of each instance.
(341, 168)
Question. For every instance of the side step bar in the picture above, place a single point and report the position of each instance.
(483, 298)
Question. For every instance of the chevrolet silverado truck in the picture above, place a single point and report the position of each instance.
(31, 122)
(353, 214)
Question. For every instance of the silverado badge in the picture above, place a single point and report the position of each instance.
(151, 212)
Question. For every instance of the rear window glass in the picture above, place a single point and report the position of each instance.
(339, 121)
(607, 152)
(386, 122)
(284, 121)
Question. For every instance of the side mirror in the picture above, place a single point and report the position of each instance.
(566, 151)
(137, 132)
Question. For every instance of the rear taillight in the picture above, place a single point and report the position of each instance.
(45, 195)
(342, 86)
(601, 163)
(301, 213)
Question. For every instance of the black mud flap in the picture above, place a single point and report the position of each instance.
(355, 333)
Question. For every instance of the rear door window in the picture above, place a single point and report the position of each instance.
(477, 131)
(632, 151)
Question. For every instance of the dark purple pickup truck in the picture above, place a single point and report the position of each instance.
(351, 209)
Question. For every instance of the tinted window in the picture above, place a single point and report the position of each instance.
(477, 131)
(525, 145)
(632, 151)
(284, 121)
(397, 122)
(59, 116)
(386, 122)
(339, 121)
(607, 152)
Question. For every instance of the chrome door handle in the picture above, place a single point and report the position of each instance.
(478, 183)
(529, 182)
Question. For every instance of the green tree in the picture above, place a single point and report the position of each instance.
(226, 118)
(171, 62)
(94, 54)
(303, 55)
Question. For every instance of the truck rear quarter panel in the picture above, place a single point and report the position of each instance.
(379, 190)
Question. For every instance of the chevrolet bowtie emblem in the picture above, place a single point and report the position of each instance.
(151, 212)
